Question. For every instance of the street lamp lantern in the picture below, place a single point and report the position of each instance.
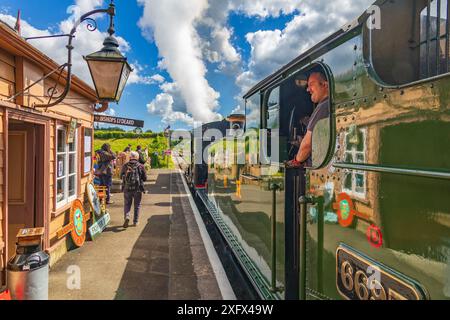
(109, 70)
(108, 67)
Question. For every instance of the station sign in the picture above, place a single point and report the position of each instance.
(100, 225)
(119, 121)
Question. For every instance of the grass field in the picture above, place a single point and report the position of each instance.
(157, 144)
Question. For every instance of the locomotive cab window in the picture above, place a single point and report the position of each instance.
(272, 125)
(252, 127)
(306, 97)
(410, 42)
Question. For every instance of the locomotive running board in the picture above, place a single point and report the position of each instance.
(253, 273)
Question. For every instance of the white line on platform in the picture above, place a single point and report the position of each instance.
(221, 277)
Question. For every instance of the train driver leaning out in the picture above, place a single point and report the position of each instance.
(318, 89)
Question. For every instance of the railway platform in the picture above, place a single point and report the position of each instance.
(168, 256)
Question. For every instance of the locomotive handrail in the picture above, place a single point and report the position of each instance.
(274, 187)
(402, 171)
(303, 202)
(250, 177)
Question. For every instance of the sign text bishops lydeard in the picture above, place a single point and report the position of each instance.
(119, 121)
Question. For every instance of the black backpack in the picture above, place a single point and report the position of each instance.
(132, 179)
(142, 156)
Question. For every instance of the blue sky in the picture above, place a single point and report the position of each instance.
(194, 59)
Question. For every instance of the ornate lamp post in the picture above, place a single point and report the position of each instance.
(108, 67)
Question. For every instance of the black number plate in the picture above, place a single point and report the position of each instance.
(358, 277)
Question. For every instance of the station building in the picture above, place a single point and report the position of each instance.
(45, 153)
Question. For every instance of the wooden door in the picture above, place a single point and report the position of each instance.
(21, 180)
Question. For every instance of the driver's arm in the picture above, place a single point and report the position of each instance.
(305, 148)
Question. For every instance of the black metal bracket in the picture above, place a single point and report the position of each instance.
(91, 26)
(274, 186)
(306, 200)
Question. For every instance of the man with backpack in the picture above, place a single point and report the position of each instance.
(133, 176)
(143, 157)
(105, 168)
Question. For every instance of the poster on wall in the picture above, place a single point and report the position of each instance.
(87, 150)
(87, 164)
(87, 143)
(71, 129)
(60, 168)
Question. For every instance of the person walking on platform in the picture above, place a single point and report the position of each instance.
(122, 158)
(133, 176)
(105, 169)
(142, 154)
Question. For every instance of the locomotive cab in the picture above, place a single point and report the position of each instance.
(288, 109)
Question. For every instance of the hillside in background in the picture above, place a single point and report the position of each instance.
(156, 144)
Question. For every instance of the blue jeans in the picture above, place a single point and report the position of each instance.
(106, 181)
(129, 197)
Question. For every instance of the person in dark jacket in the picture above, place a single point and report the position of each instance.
(105, 158)
(133, 176)
(142, 154)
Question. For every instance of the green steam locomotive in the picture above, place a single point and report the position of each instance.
(369, 217)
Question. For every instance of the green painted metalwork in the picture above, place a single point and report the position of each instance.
(388, 161)
(263, 287)
(393, 170)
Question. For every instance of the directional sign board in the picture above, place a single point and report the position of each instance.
(99, 225)
(119, 121)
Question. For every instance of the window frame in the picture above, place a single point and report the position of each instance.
(354, 153)
(250, 136)
(367, 43)
(84, 171)
(267, 109)
(67, 175)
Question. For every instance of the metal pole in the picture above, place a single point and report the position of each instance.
(274, 237)
(320, 243)
(302, 290)
(428, 36)
(438, 38)
(447, 39)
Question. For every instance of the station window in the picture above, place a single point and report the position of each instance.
(66, 167)
(411, 41)
(355, 152)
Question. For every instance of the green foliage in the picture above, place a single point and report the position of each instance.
(156, 143)
(111, 129)
(104, 135)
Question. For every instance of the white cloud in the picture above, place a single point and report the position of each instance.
(158, 78)
(163, 106)
(271, 49)
(110, 112)
(218, 48)
(190, 34)
(266, 8)
(138, 77)
(179, 44)
(83, 6)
